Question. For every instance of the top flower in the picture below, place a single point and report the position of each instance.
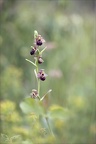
(39, 40)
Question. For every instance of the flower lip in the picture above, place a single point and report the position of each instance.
(42, 78)
(39, 40)
(39, 43)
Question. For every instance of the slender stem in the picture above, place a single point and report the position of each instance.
(38, 86)
(38, 81)
(36, 65)
(37, 69)
(49, 126)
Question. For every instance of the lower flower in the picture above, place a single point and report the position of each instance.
(34, 94)
(42, 75)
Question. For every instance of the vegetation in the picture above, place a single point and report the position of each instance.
(68, 114)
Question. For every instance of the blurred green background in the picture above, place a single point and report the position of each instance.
(69, 28)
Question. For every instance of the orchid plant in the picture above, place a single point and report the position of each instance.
(40, 74)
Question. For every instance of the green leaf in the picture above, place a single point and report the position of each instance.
(45, 94)
(43, 50)
(43, 121)
(59, 112)
(46, 123)
(4, 137)
(27, 142)
(15, 137)
(31, 62)
(31, 106)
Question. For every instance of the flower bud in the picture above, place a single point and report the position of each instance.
(41, 75)
(40, 60)
(34, 94)
(32, 52)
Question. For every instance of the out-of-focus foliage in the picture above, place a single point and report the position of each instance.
(69, 61)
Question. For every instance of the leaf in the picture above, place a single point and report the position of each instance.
(45, 94)
(59, 112)
(43, 121)
(46, 123)
(31, 62)
(4, 137)
(27, 142)
(31, 106)
(15, 137)
(43, 50)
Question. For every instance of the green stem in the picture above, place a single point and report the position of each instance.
(36, 65)
(38, 81)
(38, 86)
(49, 126)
